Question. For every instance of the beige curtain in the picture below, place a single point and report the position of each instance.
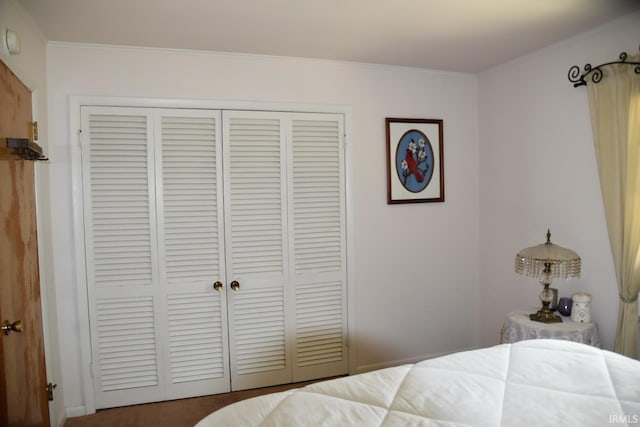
(615, 118)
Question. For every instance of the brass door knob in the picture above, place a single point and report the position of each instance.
(235, 285)
(49, 389)
(218, 286)
(8, 326)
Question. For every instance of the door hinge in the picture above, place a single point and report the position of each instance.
(49, 389)
(34, 131)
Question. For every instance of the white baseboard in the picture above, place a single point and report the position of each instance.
(61, 420)
(76, 411)
(399, 362)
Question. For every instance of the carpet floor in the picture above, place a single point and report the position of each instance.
(174, 413)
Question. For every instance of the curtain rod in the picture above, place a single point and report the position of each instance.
(578, 79)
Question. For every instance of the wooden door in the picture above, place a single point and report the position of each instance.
(23, 397)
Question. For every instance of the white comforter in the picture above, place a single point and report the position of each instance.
(529, 383)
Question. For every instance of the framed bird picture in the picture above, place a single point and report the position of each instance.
(415, 162)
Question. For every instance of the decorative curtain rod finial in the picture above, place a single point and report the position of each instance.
(579, 79)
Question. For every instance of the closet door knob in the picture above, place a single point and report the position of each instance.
(235, 285)
(9, 326)
(217, 286)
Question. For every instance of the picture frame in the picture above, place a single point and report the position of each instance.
(415, 160)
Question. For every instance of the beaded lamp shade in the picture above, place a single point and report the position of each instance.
(547, 261)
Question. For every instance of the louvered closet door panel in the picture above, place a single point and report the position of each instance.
(191, 251)
(318, 251)
(121, 255)
(255, 219)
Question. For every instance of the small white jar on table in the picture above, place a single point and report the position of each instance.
(518, 327)
(581, 309)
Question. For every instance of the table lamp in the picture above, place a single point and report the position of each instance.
(547, 261)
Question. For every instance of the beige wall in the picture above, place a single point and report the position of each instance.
(538, 171)
(427, 278)
(414, 287)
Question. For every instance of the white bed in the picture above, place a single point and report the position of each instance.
(529, 383)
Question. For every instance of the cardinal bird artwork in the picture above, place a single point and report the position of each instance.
(415, 166)
(412, 166)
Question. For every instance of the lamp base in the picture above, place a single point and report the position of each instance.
(545, 315)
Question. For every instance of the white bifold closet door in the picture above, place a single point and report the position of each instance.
(317, 245)
(256, 226)
(175, 200)
(285, 245)
(154, 248)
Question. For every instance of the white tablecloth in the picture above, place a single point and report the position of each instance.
(518, 327)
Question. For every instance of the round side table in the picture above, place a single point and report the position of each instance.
(518, 327)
